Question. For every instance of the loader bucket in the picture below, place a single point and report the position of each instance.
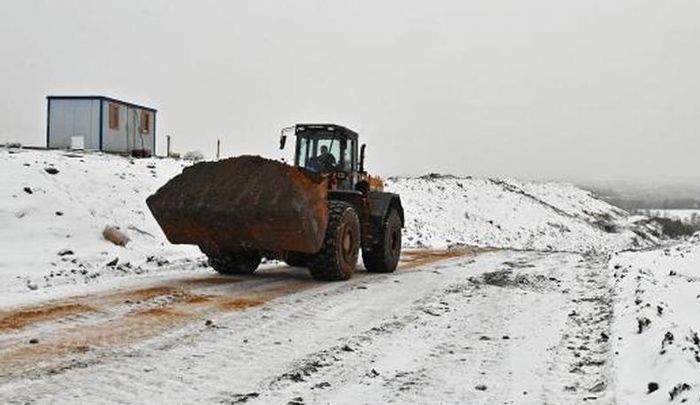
(244, 202)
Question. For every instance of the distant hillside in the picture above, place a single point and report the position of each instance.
(651, 196)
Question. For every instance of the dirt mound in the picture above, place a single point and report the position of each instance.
(270, 205)
(507, 278)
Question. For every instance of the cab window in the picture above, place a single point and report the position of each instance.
(323, 153)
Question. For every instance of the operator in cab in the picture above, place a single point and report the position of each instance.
(325, 162)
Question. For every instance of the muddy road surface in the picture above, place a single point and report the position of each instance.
(468, 326)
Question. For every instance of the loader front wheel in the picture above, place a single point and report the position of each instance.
(234, 262)
(341, 245)
(384, 256)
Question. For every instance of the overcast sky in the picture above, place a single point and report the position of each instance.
(550, 89)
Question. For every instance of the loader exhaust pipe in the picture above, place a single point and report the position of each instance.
(362, 158)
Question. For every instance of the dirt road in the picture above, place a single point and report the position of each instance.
(451, 327)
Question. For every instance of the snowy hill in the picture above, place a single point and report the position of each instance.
(51, 224)
(54, 206)
(445, 210)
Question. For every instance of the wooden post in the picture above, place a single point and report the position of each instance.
(218, 149)
(167, 138)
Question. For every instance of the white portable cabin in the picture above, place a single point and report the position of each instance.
(103, 123)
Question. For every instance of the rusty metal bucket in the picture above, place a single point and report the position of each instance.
(244, 202)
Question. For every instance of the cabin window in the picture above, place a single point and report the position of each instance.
(145, 122)
(113, 116)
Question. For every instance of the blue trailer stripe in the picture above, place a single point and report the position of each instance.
(154, 133)
(48, 122)
(102, 124)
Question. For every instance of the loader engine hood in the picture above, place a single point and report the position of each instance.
(245, 202)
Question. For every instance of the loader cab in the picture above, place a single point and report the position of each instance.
(328, 149)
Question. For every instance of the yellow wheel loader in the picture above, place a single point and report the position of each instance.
(318, 213)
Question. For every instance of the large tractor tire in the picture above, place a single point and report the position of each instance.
(240, 262)
(384, 256)
(341, 245)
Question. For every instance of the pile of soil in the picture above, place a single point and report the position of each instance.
(245, 201)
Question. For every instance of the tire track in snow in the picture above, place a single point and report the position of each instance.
(470, 343)
(73, 329)
(253, 339)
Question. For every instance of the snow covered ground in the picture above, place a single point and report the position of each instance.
(500, 327)
(64, 201)
(508, 292)
(656, 331)
(54, 206)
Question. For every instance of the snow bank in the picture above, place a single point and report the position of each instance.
(656, 327)
(444, 210)
(54, 206)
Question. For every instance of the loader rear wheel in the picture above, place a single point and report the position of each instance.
(240, 262)
(341, 245)
(384, 256)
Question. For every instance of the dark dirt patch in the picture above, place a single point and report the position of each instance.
(507, 278)
(238, 303)
(241, 398)
(196, 299)
(144, 293)
(159, 313)
(24, 317)
(416, 258)
(215, 280)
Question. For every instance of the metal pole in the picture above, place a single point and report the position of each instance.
(218, 148)
(167, 138)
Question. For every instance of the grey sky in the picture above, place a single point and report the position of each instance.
(581, 90)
